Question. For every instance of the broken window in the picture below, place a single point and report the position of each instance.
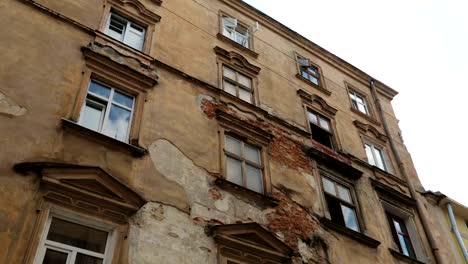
(308, 71)
(235, 31)
(401, 235)
(237, 84)
(125, 31)
(243, 164)
(340, 204)
(358, 102)
(68, 242)
(107, 111)
(376, 156)
(320, 128)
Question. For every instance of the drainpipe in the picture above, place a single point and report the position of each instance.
(456, 231)
(419, 204)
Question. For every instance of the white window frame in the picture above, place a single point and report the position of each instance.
(233, 33)
(354, 98)
(71, 250)
(385, 161)
(128, 27)
(106, 108)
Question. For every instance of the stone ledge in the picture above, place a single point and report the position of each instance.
(360, 237)
(404, 258)
(318, 87)
(256, 197)
(135, 151)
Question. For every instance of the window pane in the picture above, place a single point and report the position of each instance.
(313, 79)
(344, 194)
(362, 108)
(118, 123)
(234, 171)
(404, 246)
(312, 118)
(349, 218)
(244, 80)
(99, 89)
(85, 259)
(252, 154)
(227, 72)
(370, 155)
(379, 158)
(329, 186)
(116, 27)
(92, 115)
(254, 179)
(134, 38)
(245, 95)
(123, 99)
(324, 123)
(230, 88)
(312, 71)
(304, 74)
(77, 235)
(233, 146)
(55, 257)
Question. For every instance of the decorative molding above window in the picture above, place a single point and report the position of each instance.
(369, 128)
(106, 58)
(315, 99)
(243, 129)
(237, 59)
(144, 13)
(250, 241)
(393, 192)
(84, 188)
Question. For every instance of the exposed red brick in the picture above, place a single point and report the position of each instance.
(291, 220)
(209, 108)
(288, 152)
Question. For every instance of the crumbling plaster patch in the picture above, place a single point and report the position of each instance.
(9, 107)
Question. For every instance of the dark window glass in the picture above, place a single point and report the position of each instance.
(321, 136)
(54, 257)
(77, 235)
(84, 259)
(400, 235)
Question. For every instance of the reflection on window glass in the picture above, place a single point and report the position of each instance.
(237, 84)
(349, 218)
(107, 111)
(77, 235)
(55, 257)
(243, 164)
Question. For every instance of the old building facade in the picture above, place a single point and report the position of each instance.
(196, 131)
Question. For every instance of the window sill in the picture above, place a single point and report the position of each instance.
(102, 38)
(368, 241)
(367, 117)
(318, 87)
(256, 197)
(101, 138)
(335, 160)
(237, 45)
(404, 258)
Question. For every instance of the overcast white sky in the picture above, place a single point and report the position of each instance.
(417, 47)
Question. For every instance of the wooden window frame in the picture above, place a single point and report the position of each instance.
(371, 115)
(388, 164)
(332, 132)
(239, 64)
(321, 80)
(238, 86)
(107, 108)
(351, 187)
(81, 219)
(243, 160)
(407, 214)
(135, 12)
(248, 50)
(232, 126)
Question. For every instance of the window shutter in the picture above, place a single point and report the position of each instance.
(134, 37)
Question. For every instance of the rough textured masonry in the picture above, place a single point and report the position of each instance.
(148, 131)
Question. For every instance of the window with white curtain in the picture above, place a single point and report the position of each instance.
(376, 156)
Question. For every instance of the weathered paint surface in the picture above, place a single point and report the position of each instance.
(41, 74)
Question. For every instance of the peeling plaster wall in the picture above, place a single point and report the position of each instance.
(41, 74)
